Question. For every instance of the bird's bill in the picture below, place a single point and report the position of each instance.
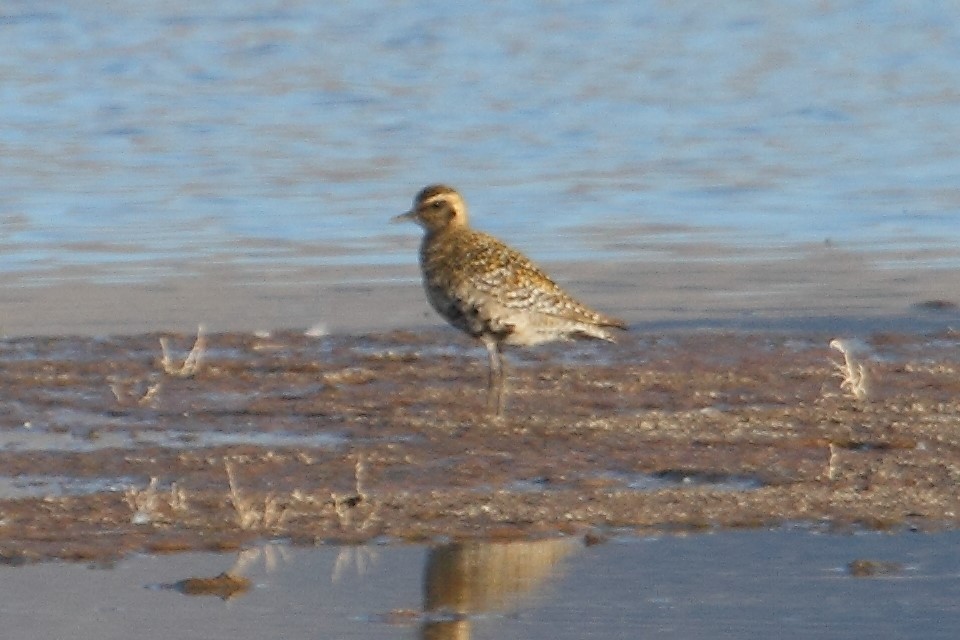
(407, 216)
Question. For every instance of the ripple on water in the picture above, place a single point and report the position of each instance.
(633, 155)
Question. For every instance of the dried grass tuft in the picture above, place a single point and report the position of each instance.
(250, 514)
(191, 365)
(148, 504)
(854, 371)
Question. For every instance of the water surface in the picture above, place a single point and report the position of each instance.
(779, 583)
(150, 137)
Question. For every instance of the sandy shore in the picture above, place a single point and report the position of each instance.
(814, 288)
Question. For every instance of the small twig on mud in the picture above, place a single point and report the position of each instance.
(191, 365)
(178, 498)
(145, 392)
(133, 391)
(249, 515)
(146, 503)
(343, 505)
(143, 502)
(358, 473)
(833, 462)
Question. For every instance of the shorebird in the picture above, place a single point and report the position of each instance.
(490, 291)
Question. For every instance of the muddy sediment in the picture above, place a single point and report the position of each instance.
(318, 439)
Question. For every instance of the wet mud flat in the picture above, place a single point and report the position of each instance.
(349, 439)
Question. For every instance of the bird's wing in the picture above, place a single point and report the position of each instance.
(511, 280)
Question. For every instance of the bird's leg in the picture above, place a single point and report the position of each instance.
(495, 390)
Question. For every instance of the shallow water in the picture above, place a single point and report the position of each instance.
(25, 440)
(775, 583)
(147, 138)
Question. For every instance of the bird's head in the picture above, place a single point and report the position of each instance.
(435, 208)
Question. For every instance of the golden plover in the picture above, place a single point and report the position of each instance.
(490, 291)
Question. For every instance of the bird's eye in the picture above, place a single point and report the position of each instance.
(437, 204)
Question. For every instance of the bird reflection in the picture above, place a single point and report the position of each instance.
(463, 579)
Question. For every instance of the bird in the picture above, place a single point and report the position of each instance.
(490, 291)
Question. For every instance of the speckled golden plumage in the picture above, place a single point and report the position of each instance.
(490, 291)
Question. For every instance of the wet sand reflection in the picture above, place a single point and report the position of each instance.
(465, 579)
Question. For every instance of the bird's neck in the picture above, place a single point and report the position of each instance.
(452, 229)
